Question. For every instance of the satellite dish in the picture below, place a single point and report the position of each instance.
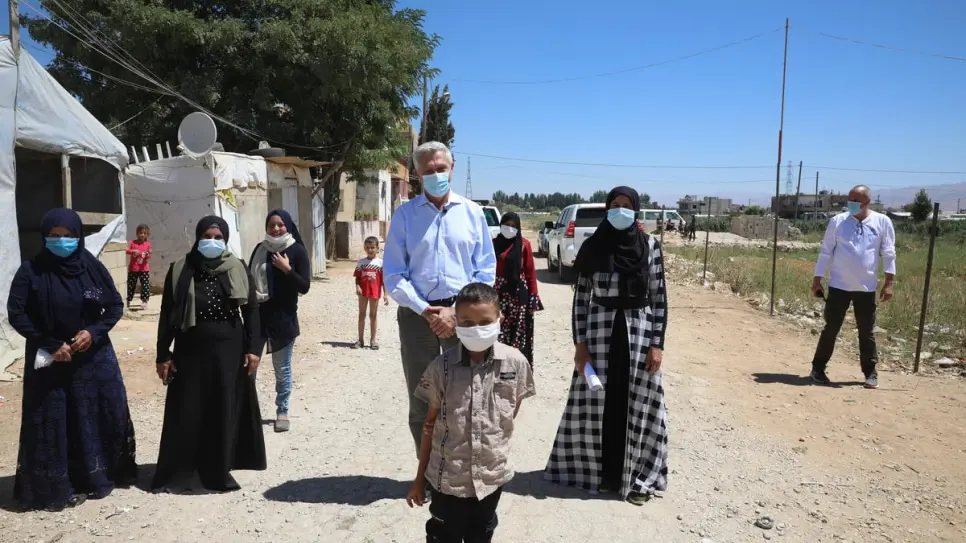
(197, 134)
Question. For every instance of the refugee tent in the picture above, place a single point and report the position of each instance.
(170, 195)
(39, 116)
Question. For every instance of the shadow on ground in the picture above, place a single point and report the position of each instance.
(796, 380)
(360, 490)
(339, 344)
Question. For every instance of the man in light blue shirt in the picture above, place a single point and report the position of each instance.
(438, 242)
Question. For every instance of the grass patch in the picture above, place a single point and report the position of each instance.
(748, 270)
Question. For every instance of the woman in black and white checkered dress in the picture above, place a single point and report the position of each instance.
(616, 439)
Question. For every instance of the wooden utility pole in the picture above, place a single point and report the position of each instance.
(15, 27)
(778, 177)
(818, 200)
(799, 189)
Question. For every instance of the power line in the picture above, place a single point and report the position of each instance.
(136, 115)
(606, 165)
(871, 170)
(702, 167)
(102, 74)
(151, 78)
(891, 48)
(625, 70)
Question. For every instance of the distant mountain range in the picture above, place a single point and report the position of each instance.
(946, 195)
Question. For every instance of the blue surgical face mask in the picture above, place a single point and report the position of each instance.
(62, 247)
(436, 184)
(211, 248)
(621, 218)
(854, 207)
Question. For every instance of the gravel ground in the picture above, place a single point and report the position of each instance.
(749, 439)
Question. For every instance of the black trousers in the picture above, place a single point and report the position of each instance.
(836, 305)
(462, 520)
(132, 283)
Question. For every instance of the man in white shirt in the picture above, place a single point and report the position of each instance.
(854, 243)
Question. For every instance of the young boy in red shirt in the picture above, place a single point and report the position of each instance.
(139, 269)
(369, 288)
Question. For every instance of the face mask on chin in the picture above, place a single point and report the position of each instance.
(278, 243)
(478, 339)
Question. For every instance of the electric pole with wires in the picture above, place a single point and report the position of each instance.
(469, 179)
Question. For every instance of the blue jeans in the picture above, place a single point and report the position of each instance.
(282, 360)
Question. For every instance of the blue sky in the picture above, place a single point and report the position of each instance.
(847, 105)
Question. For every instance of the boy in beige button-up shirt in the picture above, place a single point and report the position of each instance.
(474, 392)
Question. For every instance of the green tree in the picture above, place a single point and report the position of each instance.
(754, 210)
(325, 79)
(598, 197)
(438, 126)
(920, 207)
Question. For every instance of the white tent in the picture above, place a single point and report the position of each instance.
(38, 114)
(171, 194)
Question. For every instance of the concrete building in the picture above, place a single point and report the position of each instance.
(699, 205)
(811, 204)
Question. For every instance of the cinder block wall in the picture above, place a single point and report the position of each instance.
(115, 260)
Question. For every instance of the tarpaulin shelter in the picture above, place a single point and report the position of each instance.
(53, 153)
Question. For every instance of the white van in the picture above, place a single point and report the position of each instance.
(651, 219)
(493, 217)
(564, 237)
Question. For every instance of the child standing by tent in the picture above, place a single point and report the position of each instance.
(139, 269)
(369, 288)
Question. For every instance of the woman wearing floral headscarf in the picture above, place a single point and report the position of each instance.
(212, 424)
(76, 436)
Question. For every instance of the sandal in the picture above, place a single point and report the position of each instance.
(374, 346)
(359, 345)
(638, 499)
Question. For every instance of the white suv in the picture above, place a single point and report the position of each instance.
(564, 238)
(493, 217)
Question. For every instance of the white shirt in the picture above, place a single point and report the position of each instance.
(851, 250)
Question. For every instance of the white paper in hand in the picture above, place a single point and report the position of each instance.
(591, 377)
(43, 359)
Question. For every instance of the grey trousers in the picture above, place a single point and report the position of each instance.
(419, 347)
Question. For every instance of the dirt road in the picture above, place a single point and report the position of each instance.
(749, 438)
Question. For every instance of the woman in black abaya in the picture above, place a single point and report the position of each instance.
(212, 423)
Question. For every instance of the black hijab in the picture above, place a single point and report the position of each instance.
(514, 259)
(610, 250)
(63, 283)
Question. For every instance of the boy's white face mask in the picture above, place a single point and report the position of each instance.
(477, 339)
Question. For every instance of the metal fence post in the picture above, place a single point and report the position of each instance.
(925, 287)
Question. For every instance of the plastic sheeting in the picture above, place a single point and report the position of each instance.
(37, 113)
(171, 194)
